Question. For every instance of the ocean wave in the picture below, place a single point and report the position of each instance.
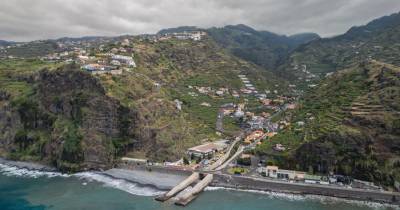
(129, 187)
(9, 170)
(120, 184)
(319, 198)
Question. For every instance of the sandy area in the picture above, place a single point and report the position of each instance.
(163, 181)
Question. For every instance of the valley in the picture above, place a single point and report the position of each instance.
(323, 110)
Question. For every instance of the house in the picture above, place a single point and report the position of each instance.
(256, 122)
(203, 90)
(265, 114)
(286, 174)
(228, 111)
(178, 104)
(115, 63)
(239, 113)
(219, 93)
(93, 67)
(290, 106)
(300, 123)
(279, 148)
(246, 91)
(254, 136)
(235, 94)
(205, 104)
(271, 171)
(275, 172)
(127, 60)
(266, 102)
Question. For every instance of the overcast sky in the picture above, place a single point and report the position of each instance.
(23, 20)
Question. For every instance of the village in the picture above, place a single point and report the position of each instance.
(233, 155)
(235, 151)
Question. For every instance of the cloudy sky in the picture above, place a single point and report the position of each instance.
(22, 20)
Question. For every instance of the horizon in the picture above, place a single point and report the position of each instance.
(43, 20)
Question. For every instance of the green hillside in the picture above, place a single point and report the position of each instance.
(351, 126)
(379, 39)
(64, 116)
(263, 48)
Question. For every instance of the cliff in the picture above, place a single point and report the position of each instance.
(67, 120)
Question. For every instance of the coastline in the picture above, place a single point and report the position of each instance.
(265, 185)
(164, 178)
(28, 165)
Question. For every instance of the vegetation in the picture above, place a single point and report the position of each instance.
(341, 133)
(238, 170)
(263, 48)
(376, 40)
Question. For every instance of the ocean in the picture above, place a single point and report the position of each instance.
(22, 189)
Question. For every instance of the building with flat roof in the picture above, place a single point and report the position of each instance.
(205, 150)
(272, 171)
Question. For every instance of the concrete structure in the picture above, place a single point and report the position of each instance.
(312, 179)
(184, 199)
(205, 151)
(181, 186)
(286, 174)
(272, 171)
(127, 60)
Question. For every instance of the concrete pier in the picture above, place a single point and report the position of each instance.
(181, 186)
(191, 194)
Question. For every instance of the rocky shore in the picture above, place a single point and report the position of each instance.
(28, 165)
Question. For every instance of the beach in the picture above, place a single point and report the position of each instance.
(145, 181)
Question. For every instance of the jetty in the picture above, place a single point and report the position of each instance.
(184, 192)
(191, 194)
(181, 186)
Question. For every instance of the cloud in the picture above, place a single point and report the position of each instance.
(41, 19)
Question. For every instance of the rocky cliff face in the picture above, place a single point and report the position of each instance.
(69, 121)
(10, 122)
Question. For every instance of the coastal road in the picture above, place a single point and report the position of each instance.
(263, 184)
(225, 156)
(238, 152)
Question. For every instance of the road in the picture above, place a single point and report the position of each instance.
(219, 125)
(238, 152)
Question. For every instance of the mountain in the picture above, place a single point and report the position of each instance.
(64, 116)
(379, 39)
(5, 43)
(260, 47)
(180, 29)
(33, 49)
(348, 125)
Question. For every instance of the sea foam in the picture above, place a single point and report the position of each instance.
(9, 170)
(120, 184)
(129, 187)
(318, 198)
